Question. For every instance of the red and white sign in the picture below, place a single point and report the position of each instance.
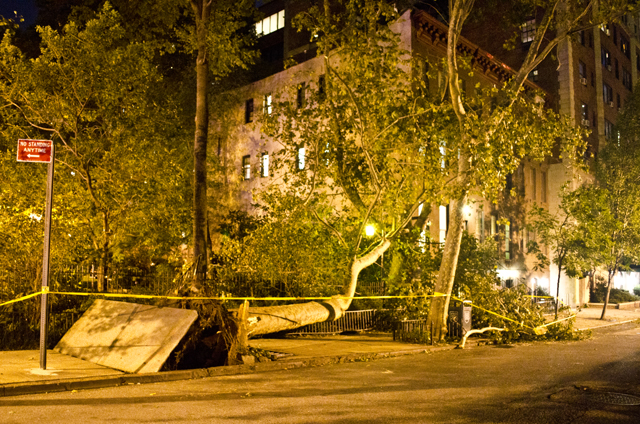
(34, 150)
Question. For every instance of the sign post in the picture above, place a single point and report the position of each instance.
(42, 151)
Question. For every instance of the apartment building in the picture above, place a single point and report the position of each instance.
(589, 79)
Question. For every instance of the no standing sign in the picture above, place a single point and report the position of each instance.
(34, 150)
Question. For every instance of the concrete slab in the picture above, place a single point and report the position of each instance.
(24, 366)
(127, 336)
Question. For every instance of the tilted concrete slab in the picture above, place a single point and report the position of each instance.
(127, 336)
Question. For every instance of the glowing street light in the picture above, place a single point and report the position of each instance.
(370, 230)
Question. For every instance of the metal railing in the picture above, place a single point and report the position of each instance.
(350, 321)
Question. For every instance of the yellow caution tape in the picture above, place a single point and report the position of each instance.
(20, 299)
(537, 330)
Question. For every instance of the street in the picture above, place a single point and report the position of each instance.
(561, 382)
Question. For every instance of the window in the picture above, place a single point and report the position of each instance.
(585, 113)
(267, 104)
(442, 218)
(543, 187)
(425, 76)
(264, 165)
(301, 158)
(638, 60)
(618, 101)
(616, 68)
(248, 111)
(246, 167)
(624, 47)
(582, 69)
(608, 130)
(581, 38)
(528, 31)
(321, 87)
(606, 28)
(300, 96)
(533, 75)
(534, 188)
(507, 239)
(605, 58)
(615, 35)
(270, 24)
(626, 79)
(607, 94)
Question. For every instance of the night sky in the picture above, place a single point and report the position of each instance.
(25, 8)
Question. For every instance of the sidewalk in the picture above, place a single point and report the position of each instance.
(20, 371)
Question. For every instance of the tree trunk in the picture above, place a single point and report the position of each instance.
(202, 11)
(272, 319)
(438, 313)
(606, 298)
(558, 287)
(104, 254)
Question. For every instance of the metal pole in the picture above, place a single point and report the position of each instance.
(45, 263)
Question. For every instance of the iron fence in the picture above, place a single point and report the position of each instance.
(350, 321)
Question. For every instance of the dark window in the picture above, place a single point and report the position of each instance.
(615, 35)
(607, 94)
(590, 40)
(321, 87)
(425, 77)
(618, 101)
(608, 130)
(593, 119)
(300, 98)
(617, 70)
(626, 79)
(638, 60)
(582, 69)
(248, 111)
(581, 38)
(593, 80)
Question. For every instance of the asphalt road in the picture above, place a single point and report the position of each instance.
(566, 382)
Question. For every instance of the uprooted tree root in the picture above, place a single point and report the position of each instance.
(211, 341)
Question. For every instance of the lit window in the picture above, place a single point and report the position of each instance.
(528, 31)
(264, 162)
(270, 24)
(301, 158)
(246, 167)
(624, 46)
(507, 240)
(443, 223)
(267, 106)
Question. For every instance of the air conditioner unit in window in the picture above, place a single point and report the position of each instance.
(607, 31)
(609, 68)
(585, 123)
(583, 81)
(611, 104)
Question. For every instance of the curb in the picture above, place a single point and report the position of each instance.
(71, 384)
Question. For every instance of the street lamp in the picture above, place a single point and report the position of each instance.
(369, 230)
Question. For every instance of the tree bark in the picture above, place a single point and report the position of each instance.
(202, 9)
(104, 254)
(606, 298)
(272, 319)
(558, 286)
(438, 313)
